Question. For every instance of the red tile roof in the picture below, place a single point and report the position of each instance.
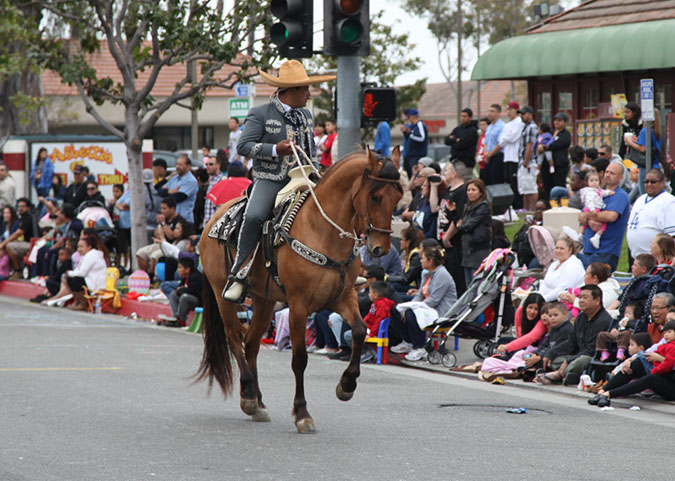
(601, 13)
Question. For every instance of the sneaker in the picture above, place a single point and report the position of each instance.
(604, 356)
(620, 355)
(416, 354)
(367, 355)
(342, 355)
(324, 350)
(311, 349)
(403, 348)
(595, 241)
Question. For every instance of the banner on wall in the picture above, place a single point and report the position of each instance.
(107, 161)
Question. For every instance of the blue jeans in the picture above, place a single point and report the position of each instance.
(167, 287)
(558, 193)
(604, 257)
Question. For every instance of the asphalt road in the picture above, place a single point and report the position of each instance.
(103, 398)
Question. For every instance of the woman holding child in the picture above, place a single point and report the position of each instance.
(437, 293)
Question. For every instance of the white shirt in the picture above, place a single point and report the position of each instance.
(286, 109)
(92, 267)
(560, 277)
(510, 138)
(232, 145)
(649, 217)
(7, 192)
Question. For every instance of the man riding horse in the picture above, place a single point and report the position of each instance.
(268, 133)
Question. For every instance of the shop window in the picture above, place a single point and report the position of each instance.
(589, 108)
(544, 107)
(565, 103)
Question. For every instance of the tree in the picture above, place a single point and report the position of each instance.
(389, 58)
(21, 104)
(144, 37)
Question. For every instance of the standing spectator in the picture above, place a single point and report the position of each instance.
(509, 144)
(93, 194)
(159, 171)
(639, 144)
(18, 243)
(558, 149)
(41, 173)
(223, 160)
(652, 213)
(203, 184)
(415, 187)
(215, 176)
(326, 147)
(482, 149)
(7, 187)
(319, 134)
(88, 176)
(117, 191)
(425, 217)
(77, 191)
(474, 226)
(418, 140)
(235, 134)
(494, 159)
(615, 215)
(527, 170)
(123, 205)
(206, 151)
(632, 124)
(382, 138)
(463, 139)
(182, 187)
(570, 358)
(153, 202)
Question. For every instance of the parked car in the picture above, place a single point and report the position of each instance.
(438, 151)
(171, 157)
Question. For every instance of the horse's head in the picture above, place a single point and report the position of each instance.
(375, 200)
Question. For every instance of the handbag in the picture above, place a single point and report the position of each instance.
(637, 157)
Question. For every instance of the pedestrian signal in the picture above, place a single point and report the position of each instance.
(378, 104)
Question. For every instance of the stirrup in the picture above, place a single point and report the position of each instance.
(360, 281)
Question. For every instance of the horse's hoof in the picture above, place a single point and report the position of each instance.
(249, 406)
(306, 426)
(261, 416)
(341, 395)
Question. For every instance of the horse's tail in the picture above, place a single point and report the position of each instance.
(217, 358)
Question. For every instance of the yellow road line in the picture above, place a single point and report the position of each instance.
(60, 369)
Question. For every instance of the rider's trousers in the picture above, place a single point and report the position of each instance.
(259, 205)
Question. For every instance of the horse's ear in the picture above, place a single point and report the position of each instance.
(373, 163)
(396, 156)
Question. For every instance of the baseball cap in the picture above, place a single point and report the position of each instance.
(425, 161)
(147, 176)
(513, 105)
(413, 112)
(526, 109)
(561, 116)
(77, 169)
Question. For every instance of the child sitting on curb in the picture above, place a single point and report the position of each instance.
(187, 296)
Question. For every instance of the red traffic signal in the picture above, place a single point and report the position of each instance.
(378, 104)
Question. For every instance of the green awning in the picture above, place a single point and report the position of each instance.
(633, 46)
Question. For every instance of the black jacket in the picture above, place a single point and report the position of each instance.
(581, 341)
(557, 335)
(412, 275)
(76, 194)
(628, 127)
(463, 140)
(475, 230)
(191, 285)
(559, 148)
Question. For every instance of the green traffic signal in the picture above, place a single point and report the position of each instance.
(350, 30)
(279, 34)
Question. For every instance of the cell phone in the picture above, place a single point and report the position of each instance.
(434, 178)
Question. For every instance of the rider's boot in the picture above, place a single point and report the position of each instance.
(235, 291)
(360, 281)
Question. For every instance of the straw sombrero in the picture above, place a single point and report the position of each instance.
(292, 74)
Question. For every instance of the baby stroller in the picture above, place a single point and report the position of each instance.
(488, 293)
(93, 214)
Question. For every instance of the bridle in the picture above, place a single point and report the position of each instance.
(370, 227)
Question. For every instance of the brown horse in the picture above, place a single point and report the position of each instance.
(359, 193)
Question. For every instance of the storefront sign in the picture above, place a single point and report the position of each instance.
(239, 108)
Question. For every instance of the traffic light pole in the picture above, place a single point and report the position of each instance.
(348, 105)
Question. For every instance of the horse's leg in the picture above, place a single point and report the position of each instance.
(298, 327)
(262, 316)
(348, 309)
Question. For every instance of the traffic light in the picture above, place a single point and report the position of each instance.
(378, 104)
(293, 32)
(346, 28)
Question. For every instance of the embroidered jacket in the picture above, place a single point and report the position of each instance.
(266, 126)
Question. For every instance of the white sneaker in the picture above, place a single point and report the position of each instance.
(416, 354)
(595, 241)
(402, 348)
(571, 233)
(324, 351)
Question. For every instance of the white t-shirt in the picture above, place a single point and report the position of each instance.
(510, 140)
(649, 217)
(232, 145)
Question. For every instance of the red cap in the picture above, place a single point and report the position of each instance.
(513, 105)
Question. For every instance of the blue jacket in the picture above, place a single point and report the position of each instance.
(45, 182)
(383, 138)
(417, 148)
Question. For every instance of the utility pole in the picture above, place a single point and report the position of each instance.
(478, 25)
(459, 60)
(348, 105)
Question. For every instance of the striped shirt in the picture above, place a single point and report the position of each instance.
(209, 206)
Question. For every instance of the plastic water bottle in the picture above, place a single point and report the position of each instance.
(97, 308)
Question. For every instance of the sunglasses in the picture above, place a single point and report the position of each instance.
(91, 188)
(649, 181)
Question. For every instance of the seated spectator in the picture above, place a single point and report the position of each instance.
(663, 249)
(167, 221)
(98, 243)
(111, 204)
(18, 242)
(436, 295)
(379, 310)
(652, 369)
(597, 274)
(577, 182)
(90, 273)
(93, 194)
(64, 263)
(77, 191)
(529, 327)
(58, 189)
(620, 331)
(67, 227)
(559, 330)
(390, 262)
(570, 358)
(642, 266)
(123, 205)
(180, 243)
(565, 272)
(8, 225)
(188, 294)
(499, 239)
(411, 237)
(658, 310)
(153, 203)
(415, 186)
(182, 187)
(88, 176)
(171, 277)
(521, 242)
(424, 217)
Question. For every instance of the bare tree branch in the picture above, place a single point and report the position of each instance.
(89, 107)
